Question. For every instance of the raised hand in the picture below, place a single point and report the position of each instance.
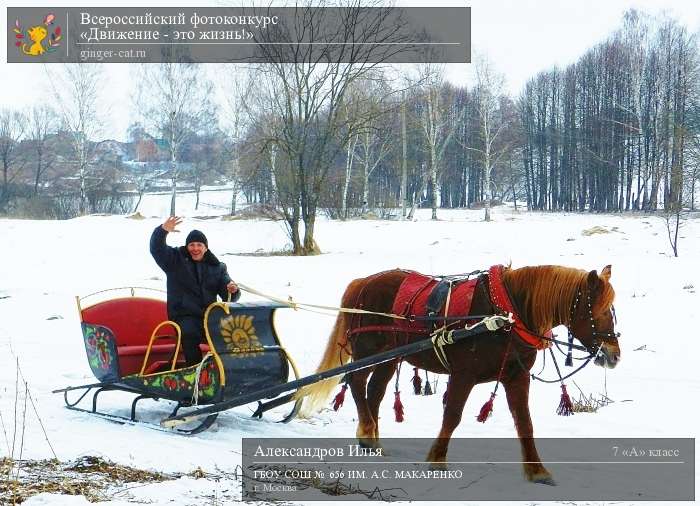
(170, 224)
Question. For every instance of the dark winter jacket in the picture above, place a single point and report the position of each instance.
(188, 296)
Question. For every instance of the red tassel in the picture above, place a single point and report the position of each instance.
(417, 382)
(339, 398)
(566, 407)
(486, 409)
(398, 407)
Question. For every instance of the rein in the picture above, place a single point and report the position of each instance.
(556, 365)
(289, 302)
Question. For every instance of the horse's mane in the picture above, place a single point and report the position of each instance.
(545, 294)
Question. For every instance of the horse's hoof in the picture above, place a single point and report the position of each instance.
(370, 444)
(438, 466)
(546, 480)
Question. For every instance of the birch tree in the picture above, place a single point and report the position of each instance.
(349, 158)
(174, 101)
(489, 89)
(439, 122)
(79, 99)
(238, 95)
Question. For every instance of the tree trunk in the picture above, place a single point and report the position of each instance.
(273, 178)
(417, 197)
(487, 175)
(5, 193)
(138, 202)
(37, 176)
(365, 184)
(294, 235)
(404, 174)
(346, 184)
(173, 179)
(434, 182)
(310, 246)
(234, 194)
(197, 188)
(83, 194)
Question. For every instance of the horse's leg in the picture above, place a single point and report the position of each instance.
(517, 392)
(458, 389)
(366, 425)
(376, 389)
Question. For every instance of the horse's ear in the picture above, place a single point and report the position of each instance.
(593, 279)
(605, 273)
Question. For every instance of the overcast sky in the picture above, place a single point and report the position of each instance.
(521, 37)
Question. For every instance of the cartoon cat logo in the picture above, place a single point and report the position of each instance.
(32, 43)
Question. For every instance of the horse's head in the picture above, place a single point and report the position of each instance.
(593, 318)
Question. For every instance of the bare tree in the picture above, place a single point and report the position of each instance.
(439, 122)
(78, 96)
(366, 110)
(489, 88)
(174, 100)
(350, 157)
(674, 217)
(43, 123)
(238, 95)
(309, 96)
(404, 171)
(12, 127)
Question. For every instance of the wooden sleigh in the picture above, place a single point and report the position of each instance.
(132, 347)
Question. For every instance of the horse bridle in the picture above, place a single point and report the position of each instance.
(597, 342)
(593, 352)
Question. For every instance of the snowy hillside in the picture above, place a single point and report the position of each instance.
(44, 264)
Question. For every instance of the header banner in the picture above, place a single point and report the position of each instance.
(238, 35)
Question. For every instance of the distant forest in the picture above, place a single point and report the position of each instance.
(618, 130)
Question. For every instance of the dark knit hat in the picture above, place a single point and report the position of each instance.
(196, 236)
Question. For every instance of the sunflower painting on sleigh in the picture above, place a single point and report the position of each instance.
(240, 336)
(32, 42)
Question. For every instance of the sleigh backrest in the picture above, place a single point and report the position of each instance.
(131, 319)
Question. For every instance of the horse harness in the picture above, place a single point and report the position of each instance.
(425, 301)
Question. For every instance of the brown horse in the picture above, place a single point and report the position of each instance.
(545, 296)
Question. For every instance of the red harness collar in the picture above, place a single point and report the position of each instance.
(501, 299)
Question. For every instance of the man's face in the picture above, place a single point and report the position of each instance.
(197, 250)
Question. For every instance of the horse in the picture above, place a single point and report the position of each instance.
(545, 296)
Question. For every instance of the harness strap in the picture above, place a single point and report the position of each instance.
(501, 299)
(442, 336)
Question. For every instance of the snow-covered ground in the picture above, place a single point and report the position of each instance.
(44, 264)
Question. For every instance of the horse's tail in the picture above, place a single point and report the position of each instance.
(336, 354)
